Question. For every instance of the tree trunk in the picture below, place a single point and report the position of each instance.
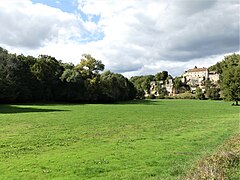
(236, 103)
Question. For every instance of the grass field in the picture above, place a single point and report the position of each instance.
(150, 139)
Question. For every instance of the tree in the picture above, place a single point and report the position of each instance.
(161, 76)
(229, 72)
(89, 67)
(48, 71)
(25, 78)
(142, 84)
(212, 91)
(230, 84)
(116, 87)
(162, 91)
(15, 78)
(199, 93)
(72, 86)
(177, 83)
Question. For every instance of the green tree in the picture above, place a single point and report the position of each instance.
(116, 87)
(89, 67)
(73, 87)
(230, 84)
(228, 69)
(212, 91)
(25, 78)
(48, 71)
(15, 78)
(161, 76)
(142, 84)
(199, 93)
(162, 91)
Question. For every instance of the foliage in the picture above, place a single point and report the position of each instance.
(230, 82)
(145, 139)
(116, 87)
(229, 70)
(161, 76)
(29, 79)
(179, 86)
(89, 67)
(162, 91)
(185, 95)
(151, 96)
(228, 61)
(212, 90)
(199, 94)
(142, 84)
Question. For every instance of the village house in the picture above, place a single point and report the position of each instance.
(196, 77)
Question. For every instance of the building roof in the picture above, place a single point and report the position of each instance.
(197, 69)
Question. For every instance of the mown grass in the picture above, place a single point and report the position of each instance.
(151, 139)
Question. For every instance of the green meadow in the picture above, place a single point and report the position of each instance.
(148, 139)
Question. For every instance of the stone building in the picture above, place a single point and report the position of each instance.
(213, 76)
(196, 77)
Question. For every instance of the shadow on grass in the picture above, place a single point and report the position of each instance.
(10, 109)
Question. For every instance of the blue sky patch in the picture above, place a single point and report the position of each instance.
(69, 6)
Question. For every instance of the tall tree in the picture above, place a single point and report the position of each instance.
(48, 71)
(161, 76)
(89, 66)
(230, 84)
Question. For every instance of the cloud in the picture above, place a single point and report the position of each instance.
(131, 37)
(146, 33)
(28, 25)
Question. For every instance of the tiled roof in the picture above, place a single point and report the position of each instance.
(197, 70)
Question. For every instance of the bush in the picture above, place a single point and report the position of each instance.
(152, 96)
(186, 95)
(161, 96)
(169, 97)
(213, 93)
(199, 94)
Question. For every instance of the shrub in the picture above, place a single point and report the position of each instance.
(152, 96)
(161, 96)
(199, 94)
(186, 95)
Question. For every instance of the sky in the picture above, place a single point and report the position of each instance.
(131, 37)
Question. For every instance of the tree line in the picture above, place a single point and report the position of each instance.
(30, 79)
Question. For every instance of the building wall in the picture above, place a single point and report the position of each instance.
(196, 77)
(214, 78)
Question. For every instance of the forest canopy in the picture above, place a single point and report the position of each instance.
(30, 79)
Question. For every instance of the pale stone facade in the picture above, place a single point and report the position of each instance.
(196, 77)
(167, 85)
(213, 76)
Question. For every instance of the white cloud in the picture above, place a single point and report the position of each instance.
(28, 25)
(145, 35)
(140, 36)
